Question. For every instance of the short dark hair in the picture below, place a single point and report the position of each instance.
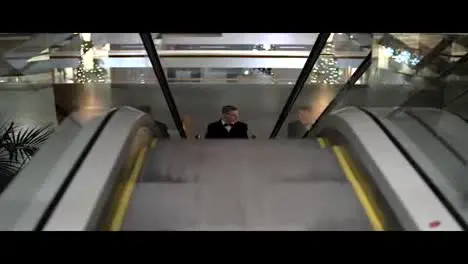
(304, 108)
(145, 108)
(228, 108)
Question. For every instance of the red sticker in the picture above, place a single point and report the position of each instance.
(434, 224)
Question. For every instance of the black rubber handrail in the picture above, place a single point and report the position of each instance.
(442, 198)
(434, 53)
(148, 42)
(365, 64)
(435, 135)
(445, 73)
(424, 62)
(305, 72)
(71, 174)
(455, 98)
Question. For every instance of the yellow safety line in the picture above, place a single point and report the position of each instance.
(127, 190)
(322, 142)
(352, 177)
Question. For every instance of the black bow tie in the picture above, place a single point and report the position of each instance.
(227, 125)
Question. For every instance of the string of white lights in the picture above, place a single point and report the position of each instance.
(402, 56)
(325, 69)
(95, 74)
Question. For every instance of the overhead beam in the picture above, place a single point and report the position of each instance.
(135, 52)
(439, 82)
(225, 63)
(458, 64)
(159, 72)
(243, 38)
(434, 53)
(305, 72)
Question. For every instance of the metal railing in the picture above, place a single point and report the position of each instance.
(159, 72)
(301, 80)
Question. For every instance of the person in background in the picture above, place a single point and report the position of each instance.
(187, 125)
(160, 125)
(228, 126)
(297, 129)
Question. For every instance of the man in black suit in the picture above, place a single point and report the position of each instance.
(228, 126)
(297, 129)
(163, 133)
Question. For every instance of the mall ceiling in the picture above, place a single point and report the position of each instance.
(35, 53)
(27, 53)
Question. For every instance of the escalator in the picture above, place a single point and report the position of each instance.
(354, 170)
(256, 185)
(341, 181)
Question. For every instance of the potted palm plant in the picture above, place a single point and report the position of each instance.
(17, 145)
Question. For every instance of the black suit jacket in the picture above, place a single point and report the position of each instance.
(296, 129)
(217, 130)
(163, 133)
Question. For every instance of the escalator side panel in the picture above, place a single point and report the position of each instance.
(113, 217)
(380, 213)
(28, 196)
(361, 188)
(89, 193)
(414, 203)
(445, 181)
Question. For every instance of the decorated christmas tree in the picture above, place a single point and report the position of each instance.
(325, 69)
(84, 74)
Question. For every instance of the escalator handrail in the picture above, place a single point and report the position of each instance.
(153, 56)
(439, 78)
(442, 198)
(431, 131)
(319, 45)
(68, 179)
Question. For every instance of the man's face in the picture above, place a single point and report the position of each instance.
(231, 117)
(305, 116)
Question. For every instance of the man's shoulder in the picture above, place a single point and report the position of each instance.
(215, 123)
(241, 124)
(158, 123)
(294, 123)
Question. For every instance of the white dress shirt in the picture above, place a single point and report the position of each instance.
(227, 127)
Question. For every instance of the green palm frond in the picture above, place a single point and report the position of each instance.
(5, 132)
(17, 145)
(8, 168)
(22, 143)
